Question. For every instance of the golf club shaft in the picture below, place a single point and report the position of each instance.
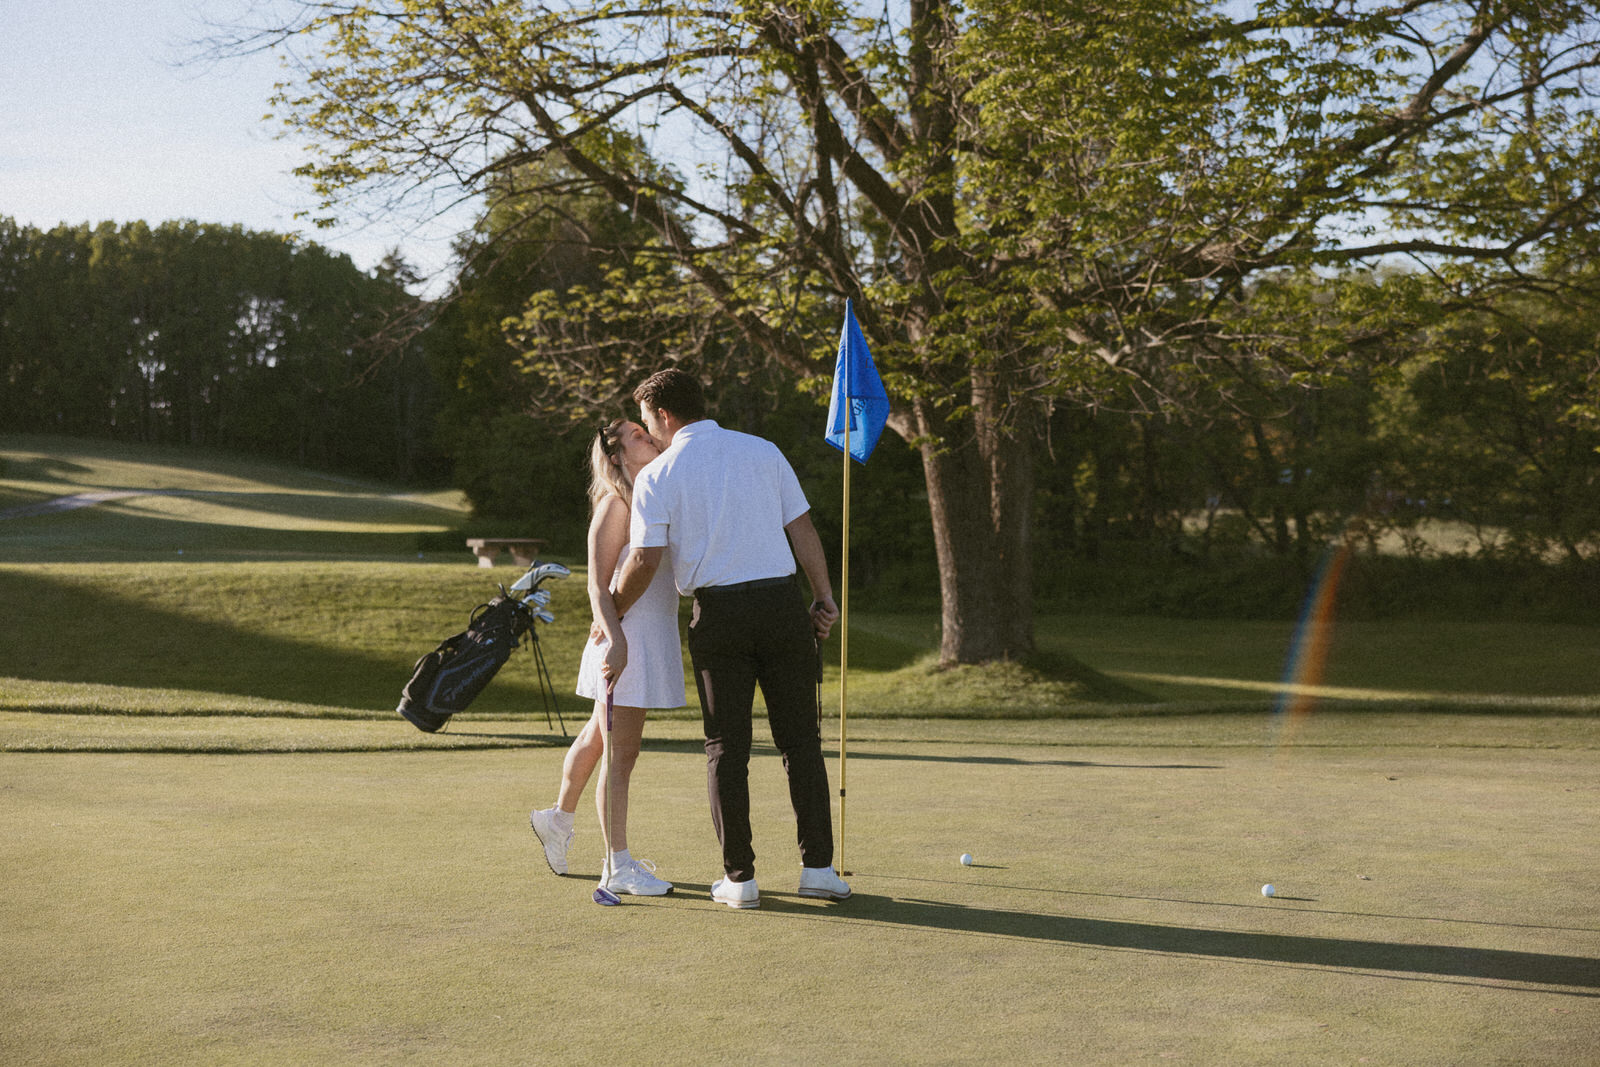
(605, 803)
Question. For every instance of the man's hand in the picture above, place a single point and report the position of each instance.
(824, 613)
(638, 568)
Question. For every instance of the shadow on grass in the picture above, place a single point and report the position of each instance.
(1013, 761)
(41, 468)
(872, 651)
(999, 688)
(1425, 962)
(107, 532)
(1457, 964)
(1499, 923)
(681, 746)
(56, 631)
(1097, 687)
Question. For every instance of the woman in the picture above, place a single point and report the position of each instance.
(647, 643)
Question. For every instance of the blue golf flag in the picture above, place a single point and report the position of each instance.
(858, 393)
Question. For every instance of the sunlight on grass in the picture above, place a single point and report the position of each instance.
(240, 627)
(225, 846)
(73, 499)
(1573, 704)
(303, 510)
(329, 906)
(86, 698)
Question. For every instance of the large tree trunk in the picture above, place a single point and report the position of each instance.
(980, 496)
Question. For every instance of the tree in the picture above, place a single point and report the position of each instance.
(1491, 422)
(561, 247)
(209, 335)
(1029, 200)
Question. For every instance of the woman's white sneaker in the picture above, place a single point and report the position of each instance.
(638, 878)
(553, 836)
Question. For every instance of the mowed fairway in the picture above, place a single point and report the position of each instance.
(222, 846)
(1438, 905)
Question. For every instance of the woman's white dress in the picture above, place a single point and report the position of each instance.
(653, 677)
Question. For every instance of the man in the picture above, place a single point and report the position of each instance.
(730, 508)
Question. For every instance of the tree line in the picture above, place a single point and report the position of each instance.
(1205, 275)
(1457, 432)
(213, 336)
(219, 337)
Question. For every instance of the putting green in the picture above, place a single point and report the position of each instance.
(1437, 903)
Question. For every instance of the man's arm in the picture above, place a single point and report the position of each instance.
(808, 553)
(636, 576)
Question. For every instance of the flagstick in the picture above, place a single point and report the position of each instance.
(844, 632)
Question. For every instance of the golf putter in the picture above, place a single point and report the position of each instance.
(602, 895)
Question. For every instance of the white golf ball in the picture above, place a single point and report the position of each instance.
(1269, 890)
(966, 859)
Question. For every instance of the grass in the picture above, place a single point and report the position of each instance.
(337, 639)
(223, 847)
(393, 907)
(202, 505)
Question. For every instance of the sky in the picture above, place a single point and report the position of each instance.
(107, 112)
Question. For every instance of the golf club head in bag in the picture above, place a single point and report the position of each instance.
(537, 572)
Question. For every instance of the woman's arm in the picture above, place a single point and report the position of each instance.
(608, 536)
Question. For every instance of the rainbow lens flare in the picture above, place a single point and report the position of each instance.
(1308, 652)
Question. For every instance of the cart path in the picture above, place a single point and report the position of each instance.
(79, 500)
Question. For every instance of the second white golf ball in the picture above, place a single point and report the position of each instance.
(1269, 890)
(966, 859)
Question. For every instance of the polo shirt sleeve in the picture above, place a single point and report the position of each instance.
(790, 495)
(647, 522)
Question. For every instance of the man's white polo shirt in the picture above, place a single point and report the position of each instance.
(719, 499)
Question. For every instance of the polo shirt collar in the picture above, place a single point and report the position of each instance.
(694, 429)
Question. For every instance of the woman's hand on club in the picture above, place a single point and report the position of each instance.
(614, 660)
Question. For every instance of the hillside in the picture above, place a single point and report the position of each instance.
(66, 499)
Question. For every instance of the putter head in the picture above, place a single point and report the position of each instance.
(602, 895)
(538, 572)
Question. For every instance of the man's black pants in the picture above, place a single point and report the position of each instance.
(741, 637)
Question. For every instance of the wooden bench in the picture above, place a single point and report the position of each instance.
(488, 549)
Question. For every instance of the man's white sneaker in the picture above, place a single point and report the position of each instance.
(638, 878)
(736, 894)
(554, 839)
(823, 883)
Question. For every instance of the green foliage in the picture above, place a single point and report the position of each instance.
(1488, 425)
(1154, 580)
(1030, 203)
(520, 456)
(213, 336)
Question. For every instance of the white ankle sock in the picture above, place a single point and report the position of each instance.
(621, 859)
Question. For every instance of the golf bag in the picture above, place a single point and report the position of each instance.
(447, 679)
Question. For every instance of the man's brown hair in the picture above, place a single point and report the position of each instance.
(676, 390)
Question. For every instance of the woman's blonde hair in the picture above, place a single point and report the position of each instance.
(607, 474)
